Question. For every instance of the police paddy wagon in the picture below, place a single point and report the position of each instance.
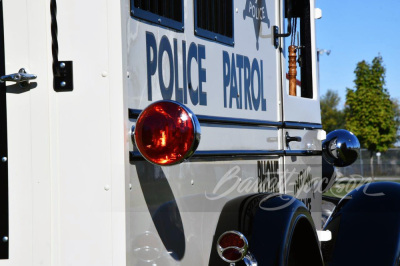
(174, 132)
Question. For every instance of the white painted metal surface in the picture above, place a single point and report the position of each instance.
(75, 197)
(245, 45)
(65, 148)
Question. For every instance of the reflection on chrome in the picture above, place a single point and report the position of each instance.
(250, 260)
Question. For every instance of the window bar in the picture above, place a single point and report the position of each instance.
(164, 9)
(208, 15)
(204, 15)
(224, 26)
(137, 3)
(219, 18)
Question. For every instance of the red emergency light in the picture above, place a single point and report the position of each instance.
(167, 133)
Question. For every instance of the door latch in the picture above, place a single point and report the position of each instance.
(289, 139)
(22, 78)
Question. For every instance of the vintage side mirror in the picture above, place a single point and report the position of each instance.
(340, 148)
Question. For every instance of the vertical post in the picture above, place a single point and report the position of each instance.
(292, 70)
(320, 52)
(319, 86)
(4, 211)
(361, 164)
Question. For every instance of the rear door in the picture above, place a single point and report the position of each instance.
(26, 45)
(301, 113)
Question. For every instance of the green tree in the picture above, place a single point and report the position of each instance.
(396, 105)
(370, 114)
(332, 118)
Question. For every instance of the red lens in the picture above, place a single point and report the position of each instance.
(231, 240)
(164, 133)
(232, 254)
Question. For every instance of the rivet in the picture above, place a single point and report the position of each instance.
(128, 74)
(106, 187)
(5, 239)
(159, 20)
(237, 10)
(192, 182)
(4, 159)
(130, 186)
(63, 83)
(104, 74)
(62, 65)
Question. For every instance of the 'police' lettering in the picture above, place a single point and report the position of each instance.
(156, 59)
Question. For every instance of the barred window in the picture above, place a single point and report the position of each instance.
(214, 20)
(168, 13)
(299, 15)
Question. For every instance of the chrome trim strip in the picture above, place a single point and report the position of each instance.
(136, 156)
(237, 121)
(205, 119)
(301, 125)
(237, 153)
(302, 153)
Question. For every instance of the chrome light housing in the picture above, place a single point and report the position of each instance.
(232, 246)
(340, 148)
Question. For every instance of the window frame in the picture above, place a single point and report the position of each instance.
(301, 11)
(158, 19)
(213, 35)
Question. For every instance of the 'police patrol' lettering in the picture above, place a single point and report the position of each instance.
(243, 79)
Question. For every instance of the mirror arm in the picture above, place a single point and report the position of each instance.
(289, 30)
(278, 35)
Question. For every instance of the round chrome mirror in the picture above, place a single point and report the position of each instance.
(340, 148)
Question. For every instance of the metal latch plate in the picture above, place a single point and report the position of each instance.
(63, 76)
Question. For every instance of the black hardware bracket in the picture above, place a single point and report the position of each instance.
(63, 76)
(62, 70)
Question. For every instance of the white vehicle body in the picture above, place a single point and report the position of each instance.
(78, 191)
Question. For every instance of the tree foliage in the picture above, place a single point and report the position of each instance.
(370, 114)
(396, 106)
(332, 117)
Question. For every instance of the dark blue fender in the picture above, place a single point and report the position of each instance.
(279, 229)
(365, 227)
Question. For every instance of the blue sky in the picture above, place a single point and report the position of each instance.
(356, 30)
